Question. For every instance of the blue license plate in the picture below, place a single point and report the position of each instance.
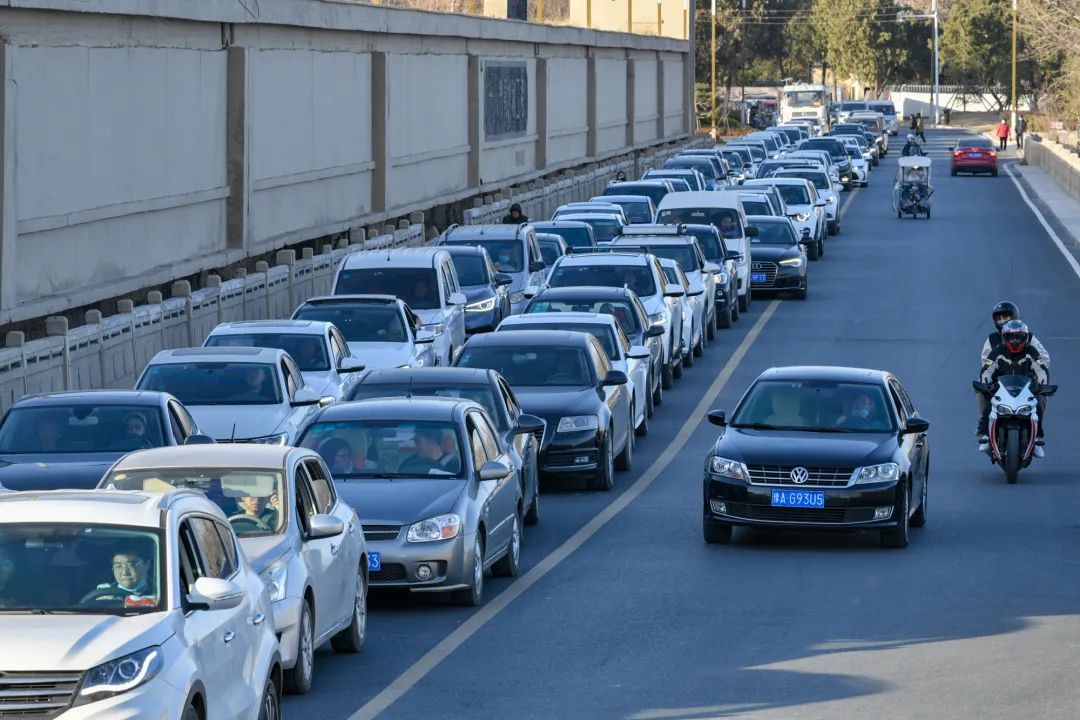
(758, 277)
(798, 498)
(374, 562)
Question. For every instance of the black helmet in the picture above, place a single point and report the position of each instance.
(1007, 311)
(1015, 336)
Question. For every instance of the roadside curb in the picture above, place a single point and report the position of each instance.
(1070, 239)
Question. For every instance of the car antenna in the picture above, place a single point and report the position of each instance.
(408, 393)
(233, 437)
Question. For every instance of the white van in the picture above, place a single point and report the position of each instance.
(424, 278)
(723, 210)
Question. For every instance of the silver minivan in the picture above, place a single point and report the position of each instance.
(513, 250)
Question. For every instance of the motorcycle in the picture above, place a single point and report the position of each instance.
(1014, 421)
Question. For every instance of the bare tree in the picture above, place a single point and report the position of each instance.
(1052, 31)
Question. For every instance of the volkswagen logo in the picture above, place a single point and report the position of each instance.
(799, 475)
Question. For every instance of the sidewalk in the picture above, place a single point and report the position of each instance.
(1061, 211)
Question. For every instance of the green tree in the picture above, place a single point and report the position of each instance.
(862, 38)
(976, 44)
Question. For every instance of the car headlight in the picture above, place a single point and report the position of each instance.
(1004, 410)
(434, 328)
(720, 278)
(517, 297)
(279, 439)
(792, 262)
(802, 217)
(481, 306)
(120, 675)
(658, 319)
(577, 423)
(877, 473)
(1024, 410)
(729, 468)
(276, 578)
(440, 527)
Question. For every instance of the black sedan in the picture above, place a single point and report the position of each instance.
(819, 447)
(485, 290)
(779, 260)
(566, 379)
(67, 440)
(519, 433)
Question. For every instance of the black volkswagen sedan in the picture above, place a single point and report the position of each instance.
(566, 379)
(485, 290)
(819, 447)
(779, 260)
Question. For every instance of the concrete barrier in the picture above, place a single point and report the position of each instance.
(1056, 161)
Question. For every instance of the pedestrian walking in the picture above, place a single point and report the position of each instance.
(1018, 132)
(515, 216)
(919, 127)
(914, 123)
(1003, 135)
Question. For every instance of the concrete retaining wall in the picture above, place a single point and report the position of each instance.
(1056, 161)
(143, 141)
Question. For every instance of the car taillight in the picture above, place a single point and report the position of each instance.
(957, 153)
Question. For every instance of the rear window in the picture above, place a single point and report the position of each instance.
(635, 211)
(636, 277)
(655, 193)
(215, 383)
(975, 143)
(883, 108)
(418, 287)
(603, 333)
(309, 351)
(703, 166)
(820, 181)
(621, 310)
(575, 237)
(794, 194)
(756, 207)
(851, 106)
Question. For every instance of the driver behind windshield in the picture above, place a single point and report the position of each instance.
(129, 571)
(727, 227)
(260, 509)
(861, 412)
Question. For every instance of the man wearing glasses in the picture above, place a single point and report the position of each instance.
(130, 573)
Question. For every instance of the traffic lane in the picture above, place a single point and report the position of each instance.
(647, 621)
(402, 626)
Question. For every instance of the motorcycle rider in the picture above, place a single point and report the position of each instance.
(1017, 355)
(911, 147)
(1002, 313)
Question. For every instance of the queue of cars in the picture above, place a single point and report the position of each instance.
(236, 507)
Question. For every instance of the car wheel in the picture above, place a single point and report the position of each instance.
(699, 349)
(713, 324)
(952, 172)
(801, 292)
(650, 405)
(688, 359)
(532, 515)
(677, 366)
(744, 301)
(298, 679)
(667, 378)
(725, 321)
(658, 389)
(474, 594)
(716, 533)
(899, 215)
(270, 707)
(897, 537)
(351, 639)
(993, 173)
(919, 518)
(821, 246)
(510, 564)
(831, 228)
(642, 428)
(190, 713)
(813, 252)
(733, 303)
(625, 461)
(605, 473)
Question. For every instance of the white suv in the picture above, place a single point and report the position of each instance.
(128, 604)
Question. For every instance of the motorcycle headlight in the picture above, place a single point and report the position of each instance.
(729, 468)
(279, 439)
(658, 319)
(120, 675)
(577, 423)
(1024, 410)
(792, 262)
(434, 328)
(517, 297)
(276, 578)
(877, 473)
(481, 306)
(441, 527)
(1004, 410)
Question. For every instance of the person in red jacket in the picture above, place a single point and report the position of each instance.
(1003, 134)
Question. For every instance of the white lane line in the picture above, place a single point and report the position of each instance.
(414, 674)
(844, 207)
(1069, 258)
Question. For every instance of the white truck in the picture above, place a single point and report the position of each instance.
(803, 101)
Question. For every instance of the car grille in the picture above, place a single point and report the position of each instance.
(800, 515)
(770, 273)
(381, 532)
(815, 476)
(390, 572)
(36, 695)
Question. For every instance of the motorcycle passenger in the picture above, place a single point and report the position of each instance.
(1016, 356)
(911, 147)
(1002, 313)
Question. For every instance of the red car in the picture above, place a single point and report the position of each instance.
(974, 155)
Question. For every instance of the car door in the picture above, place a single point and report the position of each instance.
(504, 494)
(615, 397)
(176, 424)
(346, 552)
(674, 305)
(638, 371)
(536, 278)
(915, 444)
(318, 554)
(525, 445)
(222, 639)
(294, 381)
(455, 314)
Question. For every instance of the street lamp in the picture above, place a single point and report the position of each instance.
(713, 60)
(935, 98)
(1012, 104)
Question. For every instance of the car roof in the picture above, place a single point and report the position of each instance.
(600, 292)
(625, 198)
(99, 507)
(646, 182)
(776, 219)
(647, 239)
(605, 258)
(220, 455)
(441, 374)
(824, 372)
(219, 354)
(352, 300)
(464, 249)
(403, 257)
(561, 222)
(707, 198)
(599, 213)
(527, 338)
(149, 398)
(569, 316)
(760, 182)
(397, 408)
(493, 231)
(285, 327)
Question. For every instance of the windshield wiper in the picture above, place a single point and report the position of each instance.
(761, 426)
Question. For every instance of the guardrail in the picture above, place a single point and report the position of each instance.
(1056, 161)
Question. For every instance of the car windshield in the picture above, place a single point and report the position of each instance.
(636, 277)
(471, 270)
(814, 405)
(255, 501)
(756, 152)
(773, 233)
(756, 207)
(804, 98)
(575, 237)
(215, 383)
(743, 153)
(388, 448)
(794, 194)
(418, 287)
(550, 252)
(735, 160)
(621, 310)
(711, 245)
(703, 166)
(726, 220)
(80, 429)
(309, 351)
(672, 276)
(835, 148)
(883, 108)
(821, 182)
(81, 568)
(655, 193)
(693, 182)
(481, 394)
(360, 322)
(554, 366)
(507, 256)
(603, 333)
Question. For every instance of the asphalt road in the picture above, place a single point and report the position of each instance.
(640, 619)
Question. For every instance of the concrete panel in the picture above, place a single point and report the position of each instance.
(12, 377)
(645, 100)
(673, 96)
(567, 119)
(43, 363)
(147, 335)
(610, 105)
(84, 358)
(118, 351)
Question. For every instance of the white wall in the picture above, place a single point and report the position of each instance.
(568, 123)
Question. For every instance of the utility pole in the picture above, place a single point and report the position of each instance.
(936, 101)
(713, 64)
(1012, 99)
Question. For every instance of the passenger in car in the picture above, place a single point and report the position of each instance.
(430, 455)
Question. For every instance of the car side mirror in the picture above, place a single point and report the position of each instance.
(424, 336)
(199, 439)
(536, 266)
(530, 292)
(350, 365)
(695, 293)
(675, 293)
(639, 352)
(305, 396)
(326, 400)
(529, 425)
(209, 593)
(615, 377)
(502, 279)
(654, 331)
(751, 232)
(819, 203)
(492, 470)
(324, 526)
(458, 298)
(837, 187)
(736, 256)
(717, 417)
(915, 425)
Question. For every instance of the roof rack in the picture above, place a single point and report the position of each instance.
(654, 229)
